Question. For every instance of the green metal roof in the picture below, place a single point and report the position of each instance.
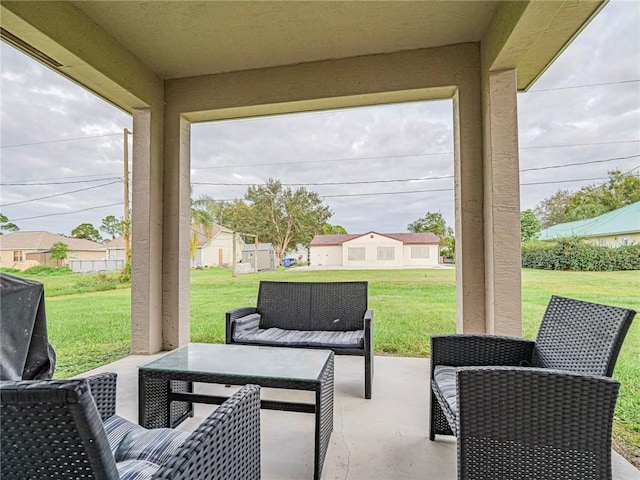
(620, 221)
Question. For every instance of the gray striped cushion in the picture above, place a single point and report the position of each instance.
(136, 470)
(246, 324)
(116, 429)
(445, 379)
(155, 446)
(301, 338)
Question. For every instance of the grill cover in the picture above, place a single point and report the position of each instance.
(25, 352)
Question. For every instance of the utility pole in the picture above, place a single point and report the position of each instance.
(127, 221)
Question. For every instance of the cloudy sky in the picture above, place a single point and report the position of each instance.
(62, 147)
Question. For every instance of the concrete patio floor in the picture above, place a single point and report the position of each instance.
(385, 438)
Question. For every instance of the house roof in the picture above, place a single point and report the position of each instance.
(620, 221)
(44, 241)
(115, 243)
(405, 238)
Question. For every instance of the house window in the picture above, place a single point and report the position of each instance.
(356, 254)
(18, 256)
(623, 241)
(386, 253)
(602, 242)
(420, 252)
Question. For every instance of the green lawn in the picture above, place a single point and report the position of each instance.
(91, 329)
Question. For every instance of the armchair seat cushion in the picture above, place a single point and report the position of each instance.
(136, 470)
(444, 378)
(300, 338)
(137, 451)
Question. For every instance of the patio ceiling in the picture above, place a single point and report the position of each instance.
(181, 39)
(185, 39)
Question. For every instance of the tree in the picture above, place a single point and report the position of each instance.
(201, 222)
(590, 201)
(112, 226)
(436, 224)
(328, 229)
(281, 216)
(59, 251)
(6, 225)
(529, 225)
(86, 231)
(431, 222)
(553, 210)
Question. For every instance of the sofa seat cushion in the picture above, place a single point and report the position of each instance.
(301, 338)
(444, 377)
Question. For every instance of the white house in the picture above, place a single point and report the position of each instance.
(216, 250)
(374, 249)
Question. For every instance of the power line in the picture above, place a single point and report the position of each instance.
(579, 144)
(581, 86)
(417, 179)
(67, 213)
(59, 194)
(325, 161)
(58, 141)
(577, 163)
(66, 176)
(56, 183)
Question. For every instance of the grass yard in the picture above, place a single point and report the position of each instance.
(93, 328)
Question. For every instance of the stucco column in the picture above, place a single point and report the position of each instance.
(177, 220)
(502, 252)
(470, 276)
(146, 233)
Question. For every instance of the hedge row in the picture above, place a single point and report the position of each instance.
(576, 254)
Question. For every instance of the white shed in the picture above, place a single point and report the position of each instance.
(216, 250)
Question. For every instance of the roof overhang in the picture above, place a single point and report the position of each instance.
(124, 50)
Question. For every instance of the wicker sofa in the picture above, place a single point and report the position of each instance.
(331, 315)
(525, 409)
(69, 429)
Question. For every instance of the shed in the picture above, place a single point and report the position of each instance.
(266, 256)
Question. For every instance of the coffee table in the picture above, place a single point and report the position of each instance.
(166, 394)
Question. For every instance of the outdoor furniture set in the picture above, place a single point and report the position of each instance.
(520, 409)
(523, 409)
(326, 315)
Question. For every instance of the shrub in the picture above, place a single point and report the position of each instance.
(97, 283)
(47, 270)
(578, 255)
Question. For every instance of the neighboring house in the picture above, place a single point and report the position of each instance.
(266, 255)
(17, 247)
(374, 249)
(613, 229)
(115, 249)
(216, 249)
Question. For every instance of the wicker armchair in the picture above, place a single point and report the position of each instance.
(68, 429)
(525, 409)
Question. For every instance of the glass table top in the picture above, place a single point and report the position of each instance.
(244, 360)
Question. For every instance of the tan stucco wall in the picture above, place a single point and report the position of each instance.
(431, 260)
(370, 242)
(331, 255)
(6, 256)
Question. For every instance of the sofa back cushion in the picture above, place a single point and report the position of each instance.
(332, 306)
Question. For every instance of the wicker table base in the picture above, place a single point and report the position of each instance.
(166, 385)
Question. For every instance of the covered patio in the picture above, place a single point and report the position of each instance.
(384, 438)
(170, 64)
